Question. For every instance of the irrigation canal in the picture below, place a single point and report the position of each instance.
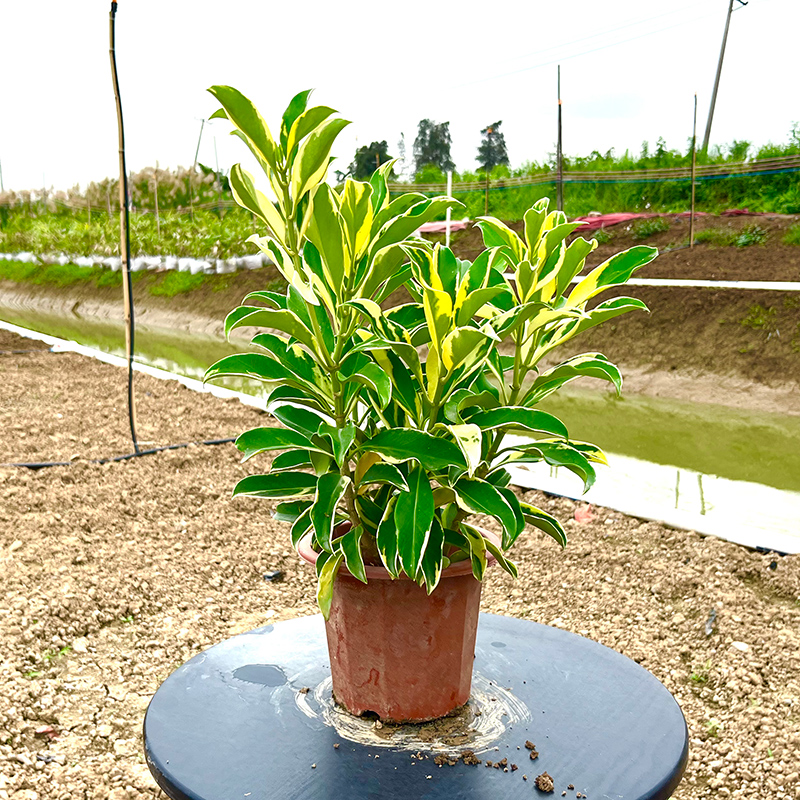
(720, 471)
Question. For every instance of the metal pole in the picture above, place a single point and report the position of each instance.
(694, 171)
(124, 231)
(559, 153)
(2, 188)
(719, 72)
(194, 167)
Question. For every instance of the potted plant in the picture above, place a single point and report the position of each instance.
(394, 419)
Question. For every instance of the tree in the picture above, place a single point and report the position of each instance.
(368, 159)
(432, 146)
(492, 151)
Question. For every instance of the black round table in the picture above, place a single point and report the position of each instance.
(252, 718)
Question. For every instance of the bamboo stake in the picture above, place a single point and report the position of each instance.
(124, 232)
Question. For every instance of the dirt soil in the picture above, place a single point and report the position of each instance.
(730, 346)
(112, 576)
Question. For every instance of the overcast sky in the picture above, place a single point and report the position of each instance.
(629, 70)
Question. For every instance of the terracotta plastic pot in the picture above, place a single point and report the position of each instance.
(396, 651)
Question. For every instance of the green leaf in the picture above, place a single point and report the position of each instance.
(327, 567)
(284, 484)
(513, 501)
(614, 272)
(509, 566)
(477, 550)
(479, 497)
(544, 522)
(373, 377)
(301, 527)
(386, 540)
(341, 439)
(473, 302)
(295, 360)
(246, 117)
(281, 320)
(331, 489)
(291, 510)
(311, 162)
(438, 314)
(303, 125)
(298, 419)
(496, 234)
(464, 347)
(293, 459)
(556, 454)
(326, 233)
(356, 212)
(247, 196)
(592, 365)
(413, 515)
(432, 452)
(433, 558)
(574, 260)
(385, 473)
(470, 440)
(297, 105)
(247, 365)
(350, 546)
(261, 440)
(519, 418)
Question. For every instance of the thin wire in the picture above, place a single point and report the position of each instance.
(583, 53)
(600, 33)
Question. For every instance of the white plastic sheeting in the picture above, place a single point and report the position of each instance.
(141, 263)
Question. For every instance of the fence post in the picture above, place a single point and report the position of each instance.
(447, 213)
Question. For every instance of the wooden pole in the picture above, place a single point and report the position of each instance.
(694, 171)
(559, 153)
(124, 232)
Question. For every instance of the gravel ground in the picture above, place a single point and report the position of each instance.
(113, 575)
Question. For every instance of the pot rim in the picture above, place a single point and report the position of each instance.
(308, 554)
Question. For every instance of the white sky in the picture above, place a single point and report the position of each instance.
(629, 71)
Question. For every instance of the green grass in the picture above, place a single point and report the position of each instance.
(759, 318)
(175, 283)
(792, 235)
(717, 237)
(650, 227)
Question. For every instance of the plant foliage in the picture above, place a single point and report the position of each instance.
(397, 421)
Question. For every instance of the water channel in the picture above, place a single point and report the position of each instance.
(727, 472)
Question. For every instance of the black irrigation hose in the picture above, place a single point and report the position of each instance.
(37, 465)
